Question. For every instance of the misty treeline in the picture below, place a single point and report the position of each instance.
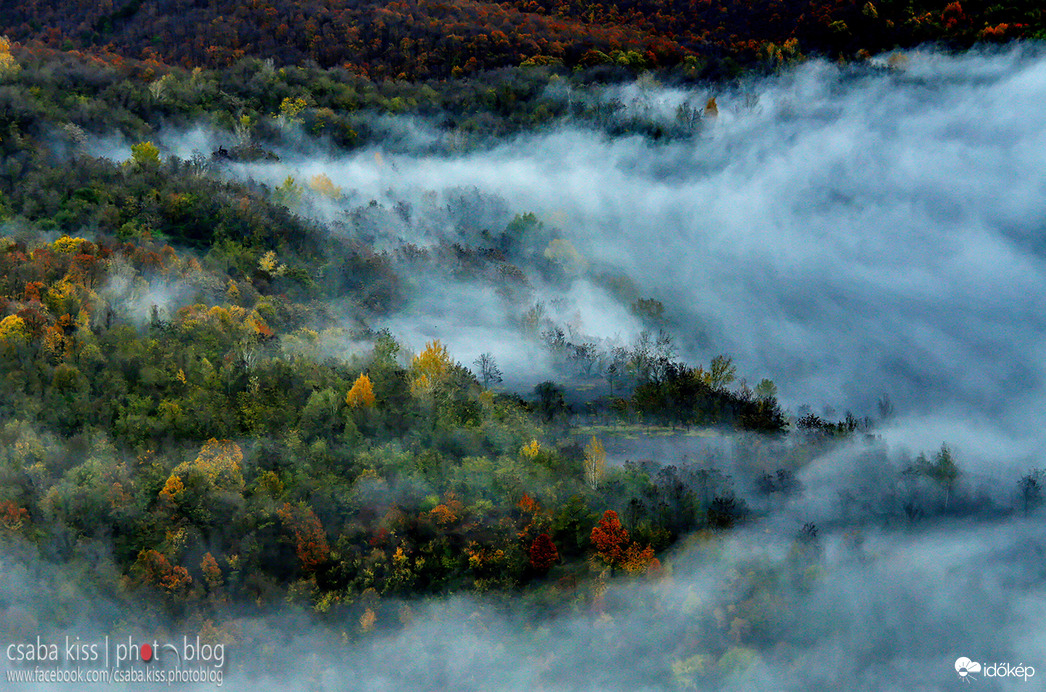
(119, 425)
(59, 99)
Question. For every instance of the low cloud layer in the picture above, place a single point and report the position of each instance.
(847, 231)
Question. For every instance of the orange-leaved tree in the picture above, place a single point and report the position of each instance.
(637, 559)
(361, 394)
(154, 568)
(211, 571)
(610, 538)
(309, 537)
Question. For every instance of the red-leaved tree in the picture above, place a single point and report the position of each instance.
(543, 553)
(610, 538)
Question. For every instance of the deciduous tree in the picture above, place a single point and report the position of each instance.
(610, 538)
(543, 553)
(362, 393)
(595, 462)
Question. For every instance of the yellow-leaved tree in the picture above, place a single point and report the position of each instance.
(8, 64)
(144, 155)
(531, 451)
(361, 394)
(566, 255)
(595, 462)
(322, 184)
(290, 110)
(13, 331)
(430, 367)
(637, 559)
(269, 264)
(68, 244)
(220, 462)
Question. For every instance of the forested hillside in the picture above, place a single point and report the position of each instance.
(171, 386)
(435, 40)
(375, 339)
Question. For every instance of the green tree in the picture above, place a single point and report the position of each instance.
(145, 155)
(765, 390)
(288, 193)
(721, 373)
(550, 399)
(944, 471)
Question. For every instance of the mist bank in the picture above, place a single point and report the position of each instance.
(846, 231)
(876, 613)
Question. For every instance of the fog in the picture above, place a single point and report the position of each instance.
(757, 609)
(848, 232)
(886, 616)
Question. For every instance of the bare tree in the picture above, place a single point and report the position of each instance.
(488, 369)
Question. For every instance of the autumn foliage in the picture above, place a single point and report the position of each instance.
(595, 462)
(156, 569)
(211, 571)
(430, 367)
(12, 517)
(426, 39)
(309, 537)
(543, 553)
(528, 504)
(611, 541)
(362, 393)
(636, 558)
(219, 462)
(609, 538)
